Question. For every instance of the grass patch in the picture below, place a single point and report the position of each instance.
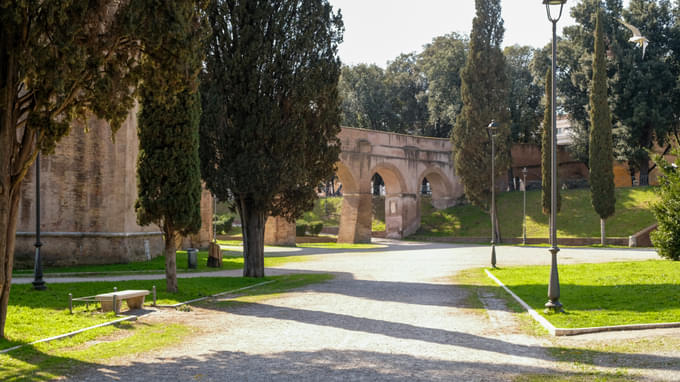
(47, 361)
(577, 218)
(230, 260)
(603, 294)
(34, 315)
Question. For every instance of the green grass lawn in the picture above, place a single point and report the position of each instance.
(577, 218)
(35, 315)
(230, 260)
(602, 294)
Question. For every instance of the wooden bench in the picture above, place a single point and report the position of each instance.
(133, 298)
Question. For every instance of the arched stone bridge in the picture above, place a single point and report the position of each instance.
(403, 161)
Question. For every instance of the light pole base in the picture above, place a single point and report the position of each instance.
(553, 307)
(493, 255)
(39, 285)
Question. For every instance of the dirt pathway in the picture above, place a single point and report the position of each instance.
(388, 315)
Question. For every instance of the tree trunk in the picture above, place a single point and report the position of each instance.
(602, 235)
(9, 205)
(644, 171)
(170, 260)
(252, 226)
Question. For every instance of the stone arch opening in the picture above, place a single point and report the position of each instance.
(400, 207)
(440, 189)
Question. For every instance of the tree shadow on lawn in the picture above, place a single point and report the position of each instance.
(444, 337)
(642, 298)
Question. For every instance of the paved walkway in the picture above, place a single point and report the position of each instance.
(389, 314)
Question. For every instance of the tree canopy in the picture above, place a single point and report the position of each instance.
(271, 110)
(168, 170)
(484, 94)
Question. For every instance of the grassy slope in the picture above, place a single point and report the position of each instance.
(577, 218)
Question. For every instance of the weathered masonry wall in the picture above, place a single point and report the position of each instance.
(88, 189)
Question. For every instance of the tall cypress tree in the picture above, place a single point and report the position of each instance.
(546, 147)
(168, 167)
(484, 89)
(271, 110)
(600, 147)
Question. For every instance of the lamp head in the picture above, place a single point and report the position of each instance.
(554, 2)
(493, 125)
(524, 171)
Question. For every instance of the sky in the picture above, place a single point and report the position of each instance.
(377, 31)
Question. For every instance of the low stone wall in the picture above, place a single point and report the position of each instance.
(79, 248)
(642, 239)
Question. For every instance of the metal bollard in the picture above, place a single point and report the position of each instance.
(154, 295)
(115, 305)
(70, 303)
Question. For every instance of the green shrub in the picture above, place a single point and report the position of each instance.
(666, 238)
(223, 224)
(315, 228)
(300, 229)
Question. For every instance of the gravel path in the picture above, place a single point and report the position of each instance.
(389, 314)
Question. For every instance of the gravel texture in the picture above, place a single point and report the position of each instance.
(389, 315)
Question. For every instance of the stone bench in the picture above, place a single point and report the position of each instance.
(133, 298)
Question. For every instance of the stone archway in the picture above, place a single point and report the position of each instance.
(402, 215)
(443, 191)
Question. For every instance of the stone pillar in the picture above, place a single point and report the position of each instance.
(355, 221)
(402, 215)
(278, 231)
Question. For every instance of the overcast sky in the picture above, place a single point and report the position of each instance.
(377, 31)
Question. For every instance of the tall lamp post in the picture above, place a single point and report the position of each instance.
(38, 282)
(492, 134)
(524, 220)
(553, 303)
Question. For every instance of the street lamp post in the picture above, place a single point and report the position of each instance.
(38, 282)
(524, 220)
(492, 133)
(553, 303)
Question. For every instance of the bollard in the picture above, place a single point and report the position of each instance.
(70, 303)
(154, 295)
(115, 305)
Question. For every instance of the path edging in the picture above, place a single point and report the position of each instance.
(575, 331)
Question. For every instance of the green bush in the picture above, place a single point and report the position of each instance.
(666, 238)
(223, 224)
(315, 228)
(300, 229)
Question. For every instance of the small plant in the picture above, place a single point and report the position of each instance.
(300, 229)
(666, 238)
(223, 224)
(315, 228)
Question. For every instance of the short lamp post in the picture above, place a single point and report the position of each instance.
(553, 303)
(524, 219)
(493, 128)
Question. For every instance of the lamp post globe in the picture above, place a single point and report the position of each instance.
(553, 303)
(493, 127)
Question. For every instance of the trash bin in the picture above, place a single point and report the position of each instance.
(191, 257)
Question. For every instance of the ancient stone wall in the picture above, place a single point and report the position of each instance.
(88, 187)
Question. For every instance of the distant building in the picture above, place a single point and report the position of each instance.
(564, 131)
